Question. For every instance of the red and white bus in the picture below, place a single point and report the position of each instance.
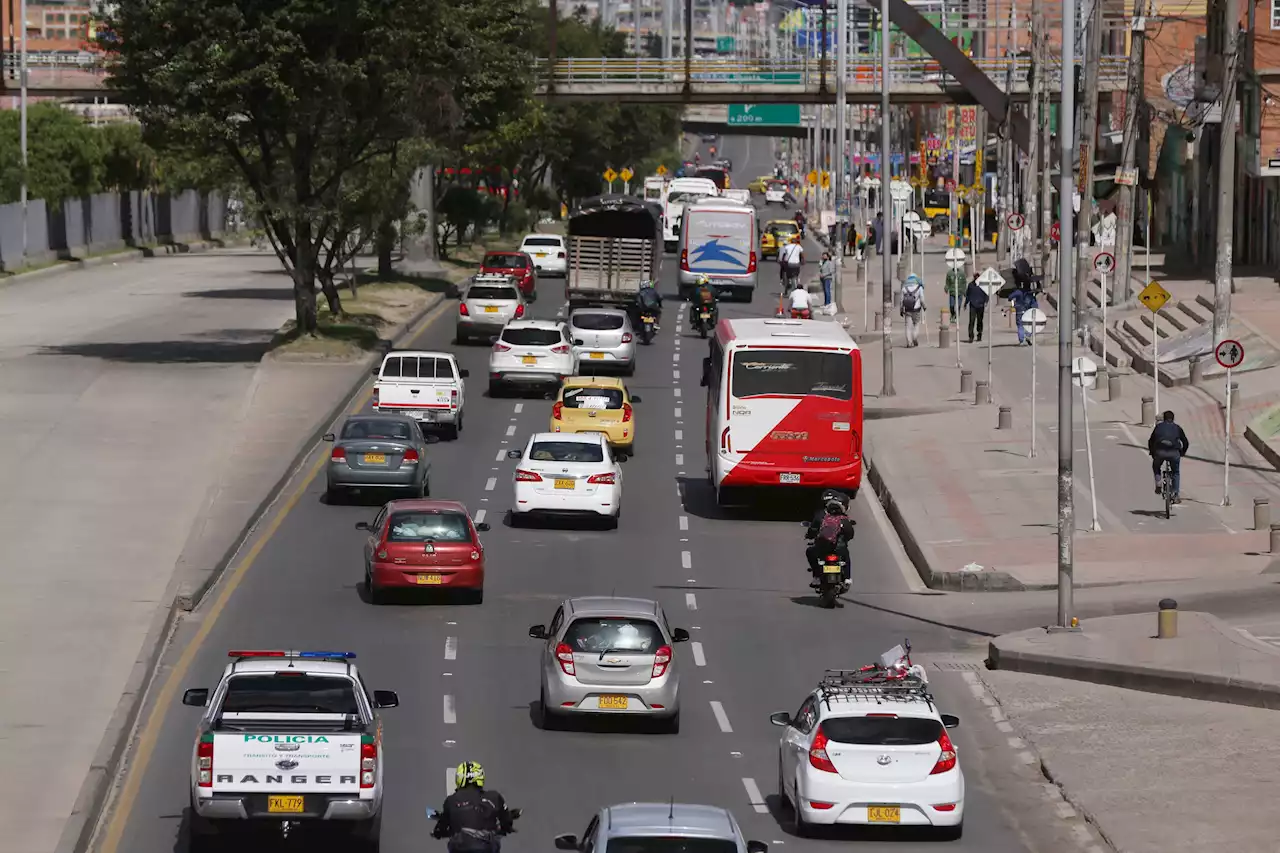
(784, 407)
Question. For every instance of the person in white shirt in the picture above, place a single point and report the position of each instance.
(790, 257)
(800, 299)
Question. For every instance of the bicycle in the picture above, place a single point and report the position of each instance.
(1166, 487)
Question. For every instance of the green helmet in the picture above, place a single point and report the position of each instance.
(704, 281)
(469, 773)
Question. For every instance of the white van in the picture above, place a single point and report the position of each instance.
(680, 192)
(718, 240)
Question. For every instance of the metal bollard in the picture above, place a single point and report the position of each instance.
(1004, 420)
(1235, 401)
(1101, 383)
(1167, 620)
(1197, 370)
(1261, 514)
(1275, 538)
(942, 317)
(1148, 411)
(944, 337)
(982, 393)
(875, 325)
(1113, 386)
(966, 381)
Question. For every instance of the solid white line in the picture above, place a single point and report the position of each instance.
(450, 648)
(686, 560)
(753, 796)
(721, 717)
(519, 408)
(511, 430)
(450, 775)
(480, 514)
(679, 435)
(675, 391)
(684, 522)
(450, 715)
(502, 454)
(691, 601)
(490, 483)
(679, 458)
(678, 415)
(700, 659)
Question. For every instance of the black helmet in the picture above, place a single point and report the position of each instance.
(834, 501)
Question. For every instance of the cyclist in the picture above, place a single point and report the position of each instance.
(790, 257)
(1168, 443)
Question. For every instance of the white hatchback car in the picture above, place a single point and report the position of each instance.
(567, 474)
(870, 754)
(603, 337)
(550, 256)
(531, 354)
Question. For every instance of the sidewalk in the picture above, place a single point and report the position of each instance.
(976, 512)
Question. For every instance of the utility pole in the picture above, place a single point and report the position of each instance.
(1046, 159)
(22, 120)
(1134, 103)
(886, 204)
(1066, 424)
(666, 28)
(842, 98)
(1088, 147)
(1222, 284)
(1006, 169)
(1030, 186)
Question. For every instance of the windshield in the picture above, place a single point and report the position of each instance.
(882, 731)
(488, 291)
(669, 844)
(566, 451)
(784, 228)
(597, 322)
(376, 428)
(792, 373)
(421, 526)
(505, 262)
(542, 241)
(686, 197)
(289, 693)
(593, 398)
(532, 337)
(605, 633)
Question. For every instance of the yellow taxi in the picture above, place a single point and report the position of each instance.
(758, 185)
(596, 404)
(776, 232)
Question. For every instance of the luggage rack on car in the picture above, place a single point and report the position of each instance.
(877, 683)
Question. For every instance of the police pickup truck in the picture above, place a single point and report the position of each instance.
(288, 738)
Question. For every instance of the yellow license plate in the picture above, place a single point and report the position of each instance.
(646, 319)
(597, 355)
(289, 805)
(530, 359)
(375, 459)
(613, 703)
(430, 580)
(491, 309)
(884, 814)
(831, 569)
(562, 483)
(541, 254)
(706, 315)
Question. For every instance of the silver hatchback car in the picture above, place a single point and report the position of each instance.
(603, 338)
(662, 828)
(378, 452)
(605, 655)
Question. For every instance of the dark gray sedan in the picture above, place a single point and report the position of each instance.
(378, 452)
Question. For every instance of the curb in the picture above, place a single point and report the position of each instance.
(129, 255)
(87, 811)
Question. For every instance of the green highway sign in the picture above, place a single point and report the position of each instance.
(724, 44)
(774, 115)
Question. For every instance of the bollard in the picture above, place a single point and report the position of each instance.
(875, 325)
(944, 337)
(1148, 411)
(982, 393)
(1261, 514)
(942, 317)
(1235, 401)
(1197, 370)
(1004, 420)
(1275, 538)
(1167, 620)
(1113, 386)
(1101, 383)
(966, 381)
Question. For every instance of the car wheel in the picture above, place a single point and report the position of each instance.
(724, 497)
(495, 390)
(366, 835)
(951, 833)
(671, 725)
(376, 595)
(451, 431)
(424, 491)
(611, 521)
(799, 826)
(334, 496)
(475, 596)
(630, 369)
(547, 720)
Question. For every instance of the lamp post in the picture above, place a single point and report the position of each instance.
(22, 118)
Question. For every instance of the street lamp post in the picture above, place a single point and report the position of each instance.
(22, 119)
(886, 269)
(842, 97)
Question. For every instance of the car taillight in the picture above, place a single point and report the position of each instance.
(601, 479)
(556, 410)
(684, 259)
(368, 761)
(751, 262)
(338, 455)
(204, 762)
(375, 396)
(626, 412)
(523, 476)
(462, 309)
(662, 658)
(818, 753)
(453, 398)
(560, 348)
(947, 760)
(564, 655)
(626, 337)
(501, 347)
(410, 456)
(560, 254)
(519, 311)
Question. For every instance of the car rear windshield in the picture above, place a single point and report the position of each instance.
(668, 844)
(598, 322)
(532, 337)
(505, 262)
(593, 398)
(605, 634)
(686, 197)
(421, 526)
(882, 731)
(542, 241)
(489, 291)
(784, 229)
(792, 373)
(415, 367)
(377, 428)
(566, 451)
(283, 694)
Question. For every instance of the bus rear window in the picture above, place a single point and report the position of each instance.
(792, 373)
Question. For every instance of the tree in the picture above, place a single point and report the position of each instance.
(128, 163)
(63, 157)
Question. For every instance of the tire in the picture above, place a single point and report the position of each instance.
(334, 496)
(495, 390)
(799, 826)
(951, 833)
(451, 431)
(546, 720)
(751, 292)
(202, 833)
(670, 725)
(611, 522)
(424, 491)
(724, 497)
(475, 596)
(366, 835)
(702, 332)
(630, 369)
(376, 596)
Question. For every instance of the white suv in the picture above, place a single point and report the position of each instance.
(531, 354)
(870, 754)
(491, 301)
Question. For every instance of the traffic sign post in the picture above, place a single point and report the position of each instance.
(1230, 354)
(1154, 297)
(990, 281)
(1104, 263)
(1084, 375)
(661, 170)
(1016, 221)
(906, 232)
(610, 176)
(1035, 320)
(626, 174)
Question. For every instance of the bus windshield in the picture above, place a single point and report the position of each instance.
(791, 373)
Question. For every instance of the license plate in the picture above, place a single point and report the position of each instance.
(289, 805)
(491, 309)
(788, 478)
(831, 569)
(530, 359)
(706, 315)
(541, 254)
(429, 580)
(613, 703)
(375, 459)
(884, 814)
(646, 319)
(597, 355)
(562, 483)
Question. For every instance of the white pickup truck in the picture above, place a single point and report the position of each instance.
(288, 738)
(426, 386)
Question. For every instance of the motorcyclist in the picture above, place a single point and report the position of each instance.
(704, 296)
(473, 818)
(830, 531)
(648, 301)
(1169, 442)
(800, 220)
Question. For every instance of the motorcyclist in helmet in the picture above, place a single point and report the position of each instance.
(800, 221)
(473, 818)
(648, 301)
(830, 531)
(704, 295)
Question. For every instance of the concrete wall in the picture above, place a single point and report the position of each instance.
(105, 222)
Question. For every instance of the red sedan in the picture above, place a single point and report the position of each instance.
(423, 544)
(515, 264)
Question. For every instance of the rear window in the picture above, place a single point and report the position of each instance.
(667, 844)
(505, 261)
(566, 451)
(882, 731)
(593, 398)
(282, 694)
(542, 241)
(784, 229)
(375, 428)
(792, 373)
(597, 322)
(414, 367)
(686, 197)
(603, 634)
(489, 291)
(421, 526)
(532, 337)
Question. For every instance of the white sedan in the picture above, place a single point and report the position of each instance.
(568, 475)
(549, 253)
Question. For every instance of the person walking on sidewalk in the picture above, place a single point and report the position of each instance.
(1023, 300)
(955, 293)
(851, 240)
(976, 298)
(912, 309)
(1168, 442)
(879, 232)
(827, 273)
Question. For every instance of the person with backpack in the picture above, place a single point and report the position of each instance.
(955, 288)
(1169, 442)
(976, 298)
(1024, 299)
(912, 309)
(830, 531)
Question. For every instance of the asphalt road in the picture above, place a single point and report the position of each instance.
(467, 675)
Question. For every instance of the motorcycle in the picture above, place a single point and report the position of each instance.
(434, 814)
(831, 582)
(703, 320)
(647, 324)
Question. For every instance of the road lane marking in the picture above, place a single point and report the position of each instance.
(722, 719)
(480, 514)
(450, 648)
(519, 408)
(675, 357)
(684, 522)
(686, 560)
(490, 483)
(675, 375)
(678, 415)
(675, 391)
(679, 435)
(502, 454)
(511, 430)
(679, 459)
(699, 658)
(691, 601)
(450, 779)
(450, 713)
(753, 796)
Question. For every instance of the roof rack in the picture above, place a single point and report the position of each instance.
(873, 683)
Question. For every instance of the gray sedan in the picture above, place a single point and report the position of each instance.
(378, 452)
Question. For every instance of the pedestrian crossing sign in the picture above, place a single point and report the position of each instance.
(1154, 296)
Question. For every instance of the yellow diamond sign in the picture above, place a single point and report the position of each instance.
(626, 174)
(1154, 296)
(825, 179)
(812, 177)
(661, 170)
(610, 175)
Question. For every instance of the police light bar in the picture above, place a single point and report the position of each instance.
(240, 653)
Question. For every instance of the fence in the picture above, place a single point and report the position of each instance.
(106, 222)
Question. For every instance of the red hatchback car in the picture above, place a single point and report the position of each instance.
(423, 544)
(515, 264)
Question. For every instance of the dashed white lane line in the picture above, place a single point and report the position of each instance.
(490, 483)
(450, 648)
(686, 560)
(502, 454)
(675, 392)
(679, 435)
(684, 522)
(679, 459)
(450, 713)
(519, 408)
(675, 374)
(699, 658)
(511, 430)
(722, 719)
(691, 601)
(678, 415)
(480, 514)
(753, 796)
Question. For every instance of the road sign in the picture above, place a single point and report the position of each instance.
(1084, 372)
(955, 259)
(1154, 296)
(610, 175)
(910, 216)
(825, 179)
(900, 191)
(812, 177)
(724, 44)
(1034, 319)
(661, 170)
(990, 281)
(951, 185)
(626, 173)
(1055, 233)
(778, 115)
(922, 229)
(1127, 177)
(1229, 353)
(1016, 221)
(1104, 262)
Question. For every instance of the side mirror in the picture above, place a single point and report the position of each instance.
(482, 526)
(566, 842)
(782, 718)
(385, 699)
(363, 525)
(757, 847)
(706, 371)
(680, 635)
(635, 399)
(197, 697)
(432, 814)
(328, 436)
(538, 632)
(515, 454)
(577, 342)
(950, 721)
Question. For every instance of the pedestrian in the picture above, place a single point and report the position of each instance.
(879, 232)
(912, 309)
(976, 298)
(955, 288)
(851, 240)
(826, 273)
(1023, 300)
